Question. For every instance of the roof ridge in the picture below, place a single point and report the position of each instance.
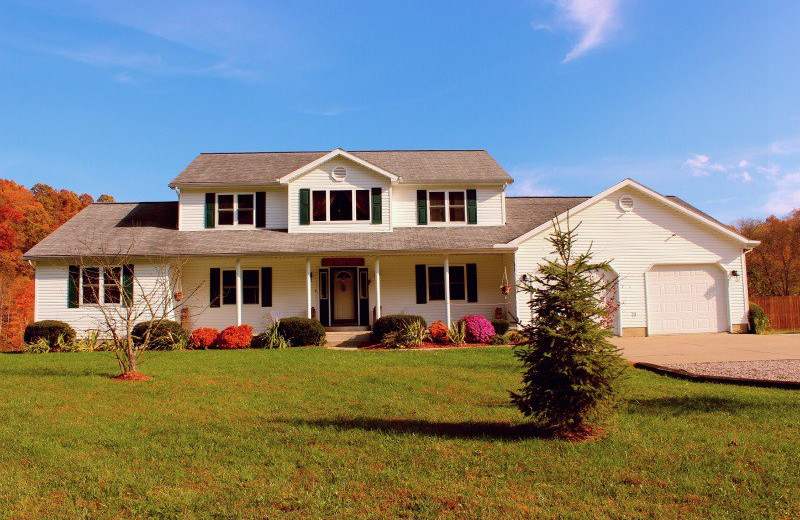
(351, 151)
(135, 202)
(549, 196)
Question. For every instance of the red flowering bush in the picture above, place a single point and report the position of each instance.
(478, 329)
(235, 337)
(438, 332)
(203, 338)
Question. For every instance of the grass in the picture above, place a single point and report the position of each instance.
(310, 433)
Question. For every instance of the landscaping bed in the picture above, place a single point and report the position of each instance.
(430, 346)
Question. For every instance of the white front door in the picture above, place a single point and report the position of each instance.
(344, 293)
(686, 298)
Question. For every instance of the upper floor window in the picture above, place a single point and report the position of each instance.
(235, 209)
(447, 206)
(340, 205)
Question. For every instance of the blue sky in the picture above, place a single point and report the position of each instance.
(698, 99)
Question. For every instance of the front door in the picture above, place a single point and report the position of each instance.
(343, 292)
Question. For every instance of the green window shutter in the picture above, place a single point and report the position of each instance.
(422, 284)
(261, 209)
(73, 283)
(266, 287)
(472, 283)
(127, 285)
(305, 207)
(377, 206)
(214, 286)
(211, 209)
(472, 207)
(422, 207)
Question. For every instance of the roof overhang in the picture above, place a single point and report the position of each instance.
(333, 155)
(746, 242)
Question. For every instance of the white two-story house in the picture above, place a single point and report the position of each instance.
(348, 236)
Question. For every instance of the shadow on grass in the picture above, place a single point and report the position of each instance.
(452, 430)
(55, 372)
(685, 405)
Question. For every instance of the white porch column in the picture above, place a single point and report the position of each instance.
(238, 292)
(377, 288)
(308, 288)
(447, 289)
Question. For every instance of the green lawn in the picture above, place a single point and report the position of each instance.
(309, 433)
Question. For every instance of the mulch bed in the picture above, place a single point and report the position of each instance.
(131, 376)
(775, 374)
(429, 346)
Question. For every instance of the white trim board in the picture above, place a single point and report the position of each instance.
(332, 155)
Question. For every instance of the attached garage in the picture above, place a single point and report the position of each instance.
(686, 299)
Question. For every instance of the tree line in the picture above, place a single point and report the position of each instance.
(26, 217)
(773, 268)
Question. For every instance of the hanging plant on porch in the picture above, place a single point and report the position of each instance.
(505, 288)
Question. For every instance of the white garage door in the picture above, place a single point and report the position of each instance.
(686, 299)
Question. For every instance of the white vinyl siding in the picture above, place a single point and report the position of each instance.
(404, 204)
(652, 234)
(192, 206)
(320, 178)
(51, 282)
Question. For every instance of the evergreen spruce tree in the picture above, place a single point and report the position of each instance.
(570, 367)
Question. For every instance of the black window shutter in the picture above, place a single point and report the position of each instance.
(472, 207)
(377, 206)
(472, 283)
(211, 209)
(422, 284)
(422, 207)
(214, 285)
(266, 287)
(261, 209)
(305, 206)
(127, 285)
(73, 282)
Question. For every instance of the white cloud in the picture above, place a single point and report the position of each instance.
(786, 195)
(743, 163)
(596, 21)
(770, 171)
(786, 146)
(528, 185)
(702, 166)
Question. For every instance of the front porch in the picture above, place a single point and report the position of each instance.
(345, 293)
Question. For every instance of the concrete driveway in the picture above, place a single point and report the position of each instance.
(698, 348)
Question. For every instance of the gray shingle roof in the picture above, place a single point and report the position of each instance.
(150, 229)
(410, 165)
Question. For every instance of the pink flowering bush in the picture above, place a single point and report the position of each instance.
(478, 329)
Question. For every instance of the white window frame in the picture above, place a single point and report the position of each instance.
(101, 286)
(328, 220)
(235, 210)
(428, 282)
(447, 220)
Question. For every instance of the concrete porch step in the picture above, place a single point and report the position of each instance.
(351, 339)
(346, 328)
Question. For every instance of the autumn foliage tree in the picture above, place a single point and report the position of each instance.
(26, 217)
(773, 268)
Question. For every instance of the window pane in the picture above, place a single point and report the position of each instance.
(457, 285)
(363, 285)
(319, 200)
(91, 285)
(250, 286)
(457, 209)
(112, 282)
(225, 210)
(229, 287)
(245, 210)
(362, 205)
(323, 285)
(225, 201)
(436, 283)
(436, 203)
(341, 205)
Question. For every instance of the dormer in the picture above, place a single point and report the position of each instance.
(341, 191)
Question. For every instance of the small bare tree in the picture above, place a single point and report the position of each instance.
(109, 282)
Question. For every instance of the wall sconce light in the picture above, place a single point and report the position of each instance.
(524, 277)
(735, 274)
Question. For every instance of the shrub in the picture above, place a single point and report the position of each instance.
(438, 332)
(235, 337)
(164, 335)
(50, 331)
(457, 335)
(500, 325)
(394, 323)
(271, 338)
(477, 328)
(203, 338)
(513, 337)
(413, 334)
(300, 332)
(759, 321)
(41, 346)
